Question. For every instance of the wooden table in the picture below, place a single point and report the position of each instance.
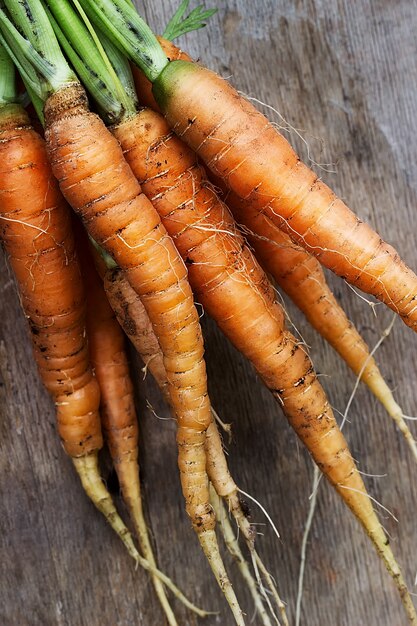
(344, 75)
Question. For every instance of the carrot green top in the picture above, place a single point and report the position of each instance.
(11, 102)
(8, 91)
(104, 71)
(180, 24)
(29, 38)
(32, 31)
(119, 20)
(101, 66)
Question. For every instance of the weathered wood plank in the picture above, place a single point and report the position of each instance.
(346, 74)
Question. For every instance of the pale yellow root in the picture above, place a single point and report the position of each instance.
(227, 489)
(234, 549)
(381, 390)
(380, 541)
(88, 471)
(312, 508)
(246, 529)
(210, 548)
(226, 427)
(130, 485)
(272, 588)
(374, 380)
(392, 567)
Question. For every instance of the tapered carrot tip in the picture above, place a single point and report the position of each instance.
(128, 473)
(210, 547)
(394, 570)
(381, 390)
(234, 549)
(88, 471)
(244, 526)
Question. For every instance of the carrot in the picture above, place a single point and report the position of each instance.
(117, 405)
(298, 273)
(236, 293)
(36, 232)
(133, 318)
(224, 274)
(254, 160)
(99, 185)
(97, 182)
(35, 227)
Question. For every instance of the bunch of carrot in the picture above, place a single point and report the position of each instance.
(158, 193)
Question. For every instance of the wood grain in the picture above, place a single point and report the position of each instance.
(345, 75)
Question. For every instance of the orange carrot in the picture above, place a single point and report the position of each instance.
(132, 316)
(98, 183)
(234, 290)
(117, 406)
(298, 273)
(247, 152)
(35, 227)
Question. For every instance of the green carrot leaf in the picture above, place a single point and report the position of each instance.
(179, 25)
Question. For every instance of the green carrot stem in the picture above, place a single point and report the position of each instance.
(84, 72)
(101, 67)
(122, 24)
(121, 66)
(31, 39)
(25, 14)
(116, 84)
(36, 101)
(18, 50)
(8, 91)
